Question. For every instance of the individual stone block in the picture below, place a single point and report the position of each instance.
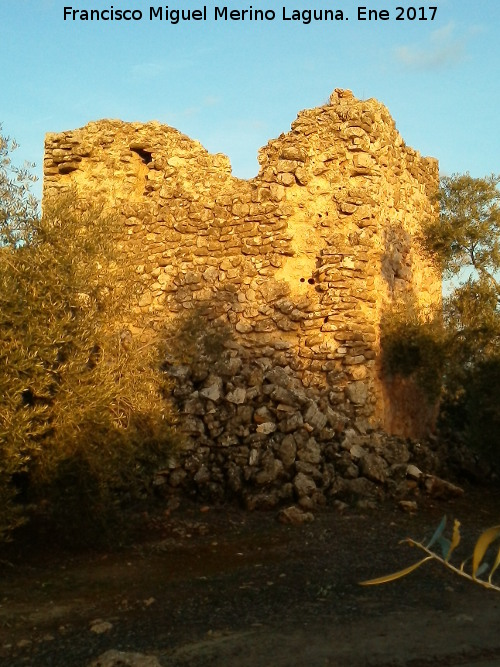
(287, 451)
(237, 396)
(357, 392)
(314, 417)
(374, 468)
(304, 485)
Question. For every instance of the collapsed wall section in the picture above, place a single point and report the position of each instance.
(300, 262)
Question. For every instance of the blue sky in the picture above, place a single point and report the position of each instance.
(234, 85)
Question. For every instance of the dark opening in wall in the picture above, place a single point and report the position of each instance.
(311, 281)
(302, 280)
(143, 154)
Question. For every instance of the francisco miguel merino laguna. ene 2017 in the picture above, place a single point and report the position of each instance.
(175, 16)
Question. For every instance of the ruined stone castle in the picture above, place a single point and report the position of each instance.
(300, 262)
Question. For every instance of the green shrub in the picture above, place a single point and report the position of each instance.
(84, 419)
(413, 346)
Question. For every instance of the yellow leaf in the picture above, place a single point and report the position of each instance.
(394, 575)
(482, 545)
(455, 539)
(495, 565)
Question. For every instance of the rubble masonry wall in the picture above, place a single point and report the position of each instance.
(300, 262)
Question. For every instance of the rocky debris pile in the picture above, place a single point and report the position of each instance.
(253, 433)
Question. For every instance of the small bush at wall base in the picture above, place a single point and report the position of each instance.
(413, 346)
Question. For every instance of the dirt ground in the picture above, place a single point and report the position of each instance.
(214, 586)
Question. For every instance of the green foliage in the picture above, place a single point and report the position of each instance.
(84, 419)
(473, 317)
(413, 345)
(18, 207)
(447, 547)
(466, 242)
(467, 233)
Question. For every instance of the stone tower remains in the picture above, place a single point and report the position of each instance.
(301, 262)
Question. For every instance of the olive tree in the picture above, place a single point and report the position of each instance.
(84, 419)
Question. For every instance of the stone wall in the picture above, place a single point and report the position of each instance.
(299, 263)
